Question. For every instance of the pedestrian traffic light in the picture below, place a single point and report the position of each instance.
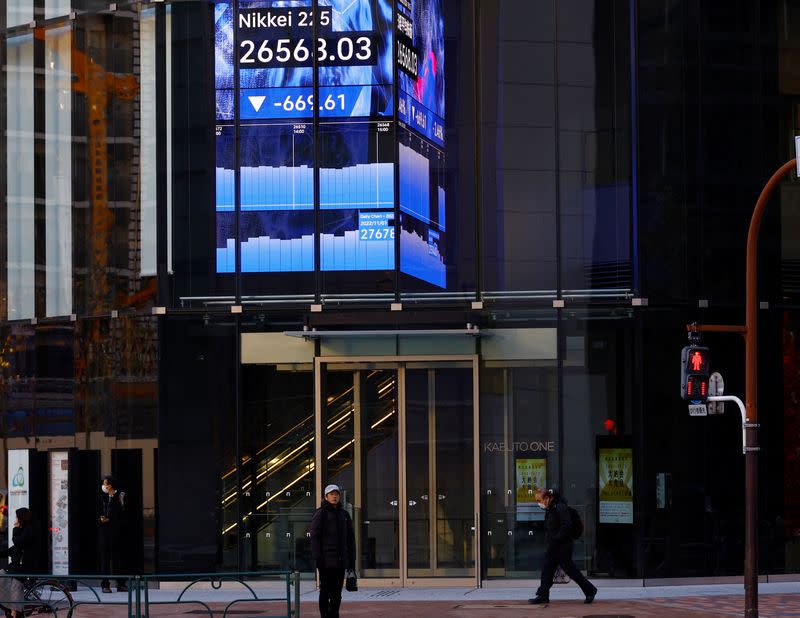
(695, 362)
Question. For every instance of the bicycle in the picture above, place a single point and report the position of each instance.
(43, 597)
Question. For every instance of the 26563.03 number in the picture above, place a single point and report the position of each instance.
(286, 52)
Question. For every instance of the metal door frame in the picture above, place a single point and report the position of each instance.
(400, 362)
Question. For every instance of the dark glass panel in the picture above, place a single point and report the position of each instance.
(597, 353)
(277, 450)
(197, 447)
(520, 451)
(195, 234)
(518, 148)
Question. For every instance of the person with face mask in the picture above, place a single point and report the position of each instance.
(558, 538)
(333, 549)
(111, 522)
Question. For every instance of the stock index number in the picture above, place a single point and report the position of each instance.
(342, 50)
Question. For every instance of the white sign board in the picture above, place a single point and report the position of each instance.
(59, 511)
(18, 485)
(698, 410)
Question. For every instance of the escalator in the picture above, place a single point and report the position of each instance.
(277, 493)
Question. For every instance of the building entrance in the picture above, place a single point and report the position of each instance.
(400, 439)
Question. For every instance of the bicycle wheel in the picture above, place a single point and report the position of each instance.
(48, 597)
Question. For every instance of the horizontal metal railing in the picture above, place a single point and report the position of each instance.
(80, 585)
(216, 581)
(62, 595)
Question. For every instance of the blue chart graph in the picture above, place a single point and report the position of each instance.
(363, 185)
(226, 193)
(415, 196)
(357, 240)
(277, 188)
(349, 252)
(225, 179)
(422, 259)
(272, 241)
(265, 254)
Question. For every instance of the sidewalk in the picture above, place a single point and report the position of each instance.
(776, 600)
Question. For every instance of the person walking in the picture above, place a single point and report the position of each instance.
(24, 555)
(559, 540)
(333, 549)
(111, 524)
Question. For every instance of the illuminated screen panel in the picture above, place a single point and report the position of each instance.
(223, 61)
(422, 209)
(420, 62)
(276, 55)
(356, 182)
(274, 58)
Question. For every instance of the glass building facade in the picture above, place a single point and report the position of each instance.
(438, 252)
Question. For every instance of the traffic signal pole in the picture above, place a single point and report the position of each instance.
(750, 331)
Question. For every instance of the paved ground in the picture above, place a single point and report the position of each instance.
(775, 601)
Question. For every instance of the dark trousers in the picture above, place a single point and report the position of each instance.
(111, 557)
(562, 556)
(330, 592)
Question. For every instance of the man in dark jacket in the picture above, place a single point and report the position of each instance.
(333, 548)
(111, 523)
(558, 537)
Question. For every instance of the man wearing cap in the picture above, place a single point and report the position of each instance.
(333, 548)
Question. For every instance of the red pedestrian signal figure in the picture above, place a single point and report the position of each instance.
(694, 373)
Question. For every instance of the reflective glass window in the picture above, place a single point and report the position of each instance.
(58, 168)
(518, 147)
(148, 137)
(56, 8)
(20, 175)
(18, 12)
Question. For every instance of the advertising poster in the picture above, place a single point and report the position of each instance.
(615, 484)
(59, 510)
(531, 474)
(18, 485)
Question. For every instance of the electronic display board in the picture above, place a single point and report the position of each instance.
(273, 63)
(264, 80)
(420, 63)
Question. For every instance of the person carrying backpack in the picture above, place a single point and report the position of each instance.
(562, 526)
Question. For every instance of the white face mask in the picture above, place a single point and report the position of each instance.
(104, 488)
(541, 505)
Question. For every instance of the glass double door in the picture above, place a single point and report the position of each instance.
(399, 438)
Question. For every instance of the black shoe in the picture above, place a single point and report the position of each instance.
(106, 588)
(122, 588)
(537, 600)
(590, 598)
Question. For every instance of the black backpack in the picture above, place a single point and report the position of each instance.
(576, 527)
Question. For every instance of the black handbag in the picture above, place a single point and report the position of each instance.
(351, 580)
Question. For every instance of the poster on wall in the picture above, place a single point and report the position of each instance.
(59, 511)
(615, 485)
(531, 474)
(18, 485)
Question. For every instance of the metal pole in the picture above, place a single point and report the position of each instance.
(297, 594)
(751, 353)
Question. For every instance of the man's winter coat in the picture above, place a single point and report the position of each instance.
(333, 540)
(557, 526)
